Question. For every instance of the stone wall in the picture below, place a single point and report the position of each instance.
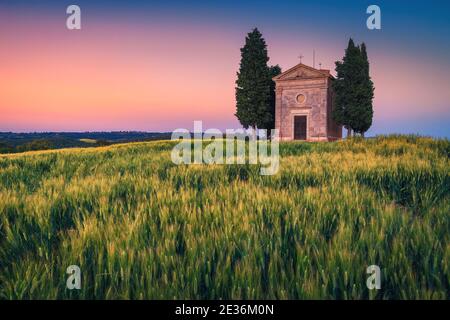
(314, 107)
(316, 103)
(334, 132)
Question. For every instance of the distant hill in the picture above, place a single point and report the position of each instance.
(11, 142)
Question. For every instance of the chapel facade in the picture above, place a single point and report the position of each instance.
(304, 103)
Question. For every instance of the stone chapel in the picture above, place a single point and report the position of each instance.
(304, 101)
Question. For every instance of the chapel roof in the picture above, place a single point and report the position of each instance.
(300, 71)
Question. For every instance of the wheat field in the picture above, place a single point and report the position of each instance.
(141, 227)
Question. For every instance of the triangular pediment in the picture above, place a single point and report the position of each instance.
(302, 71)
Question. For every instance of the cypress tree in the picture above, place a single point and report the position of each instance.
(344, 85)
(353, 90)
(253, 84)
(365, 91)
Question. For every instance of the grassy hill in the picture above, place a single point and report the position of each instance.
(141, 227)
(11, 142)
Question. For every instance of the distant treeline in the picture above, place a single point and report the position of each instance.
(20, 142)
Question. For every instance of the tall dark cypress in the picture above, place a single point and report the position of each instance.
(253, 84)
(353, 90)
(365, 93)
(344, 85)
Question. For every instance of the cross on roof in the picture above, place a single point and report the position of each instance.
(300, 57)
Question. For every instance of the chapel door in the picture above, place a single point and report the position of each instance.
(299, 127)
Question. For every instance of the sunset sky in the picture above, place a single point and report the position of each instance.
(160, 65)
